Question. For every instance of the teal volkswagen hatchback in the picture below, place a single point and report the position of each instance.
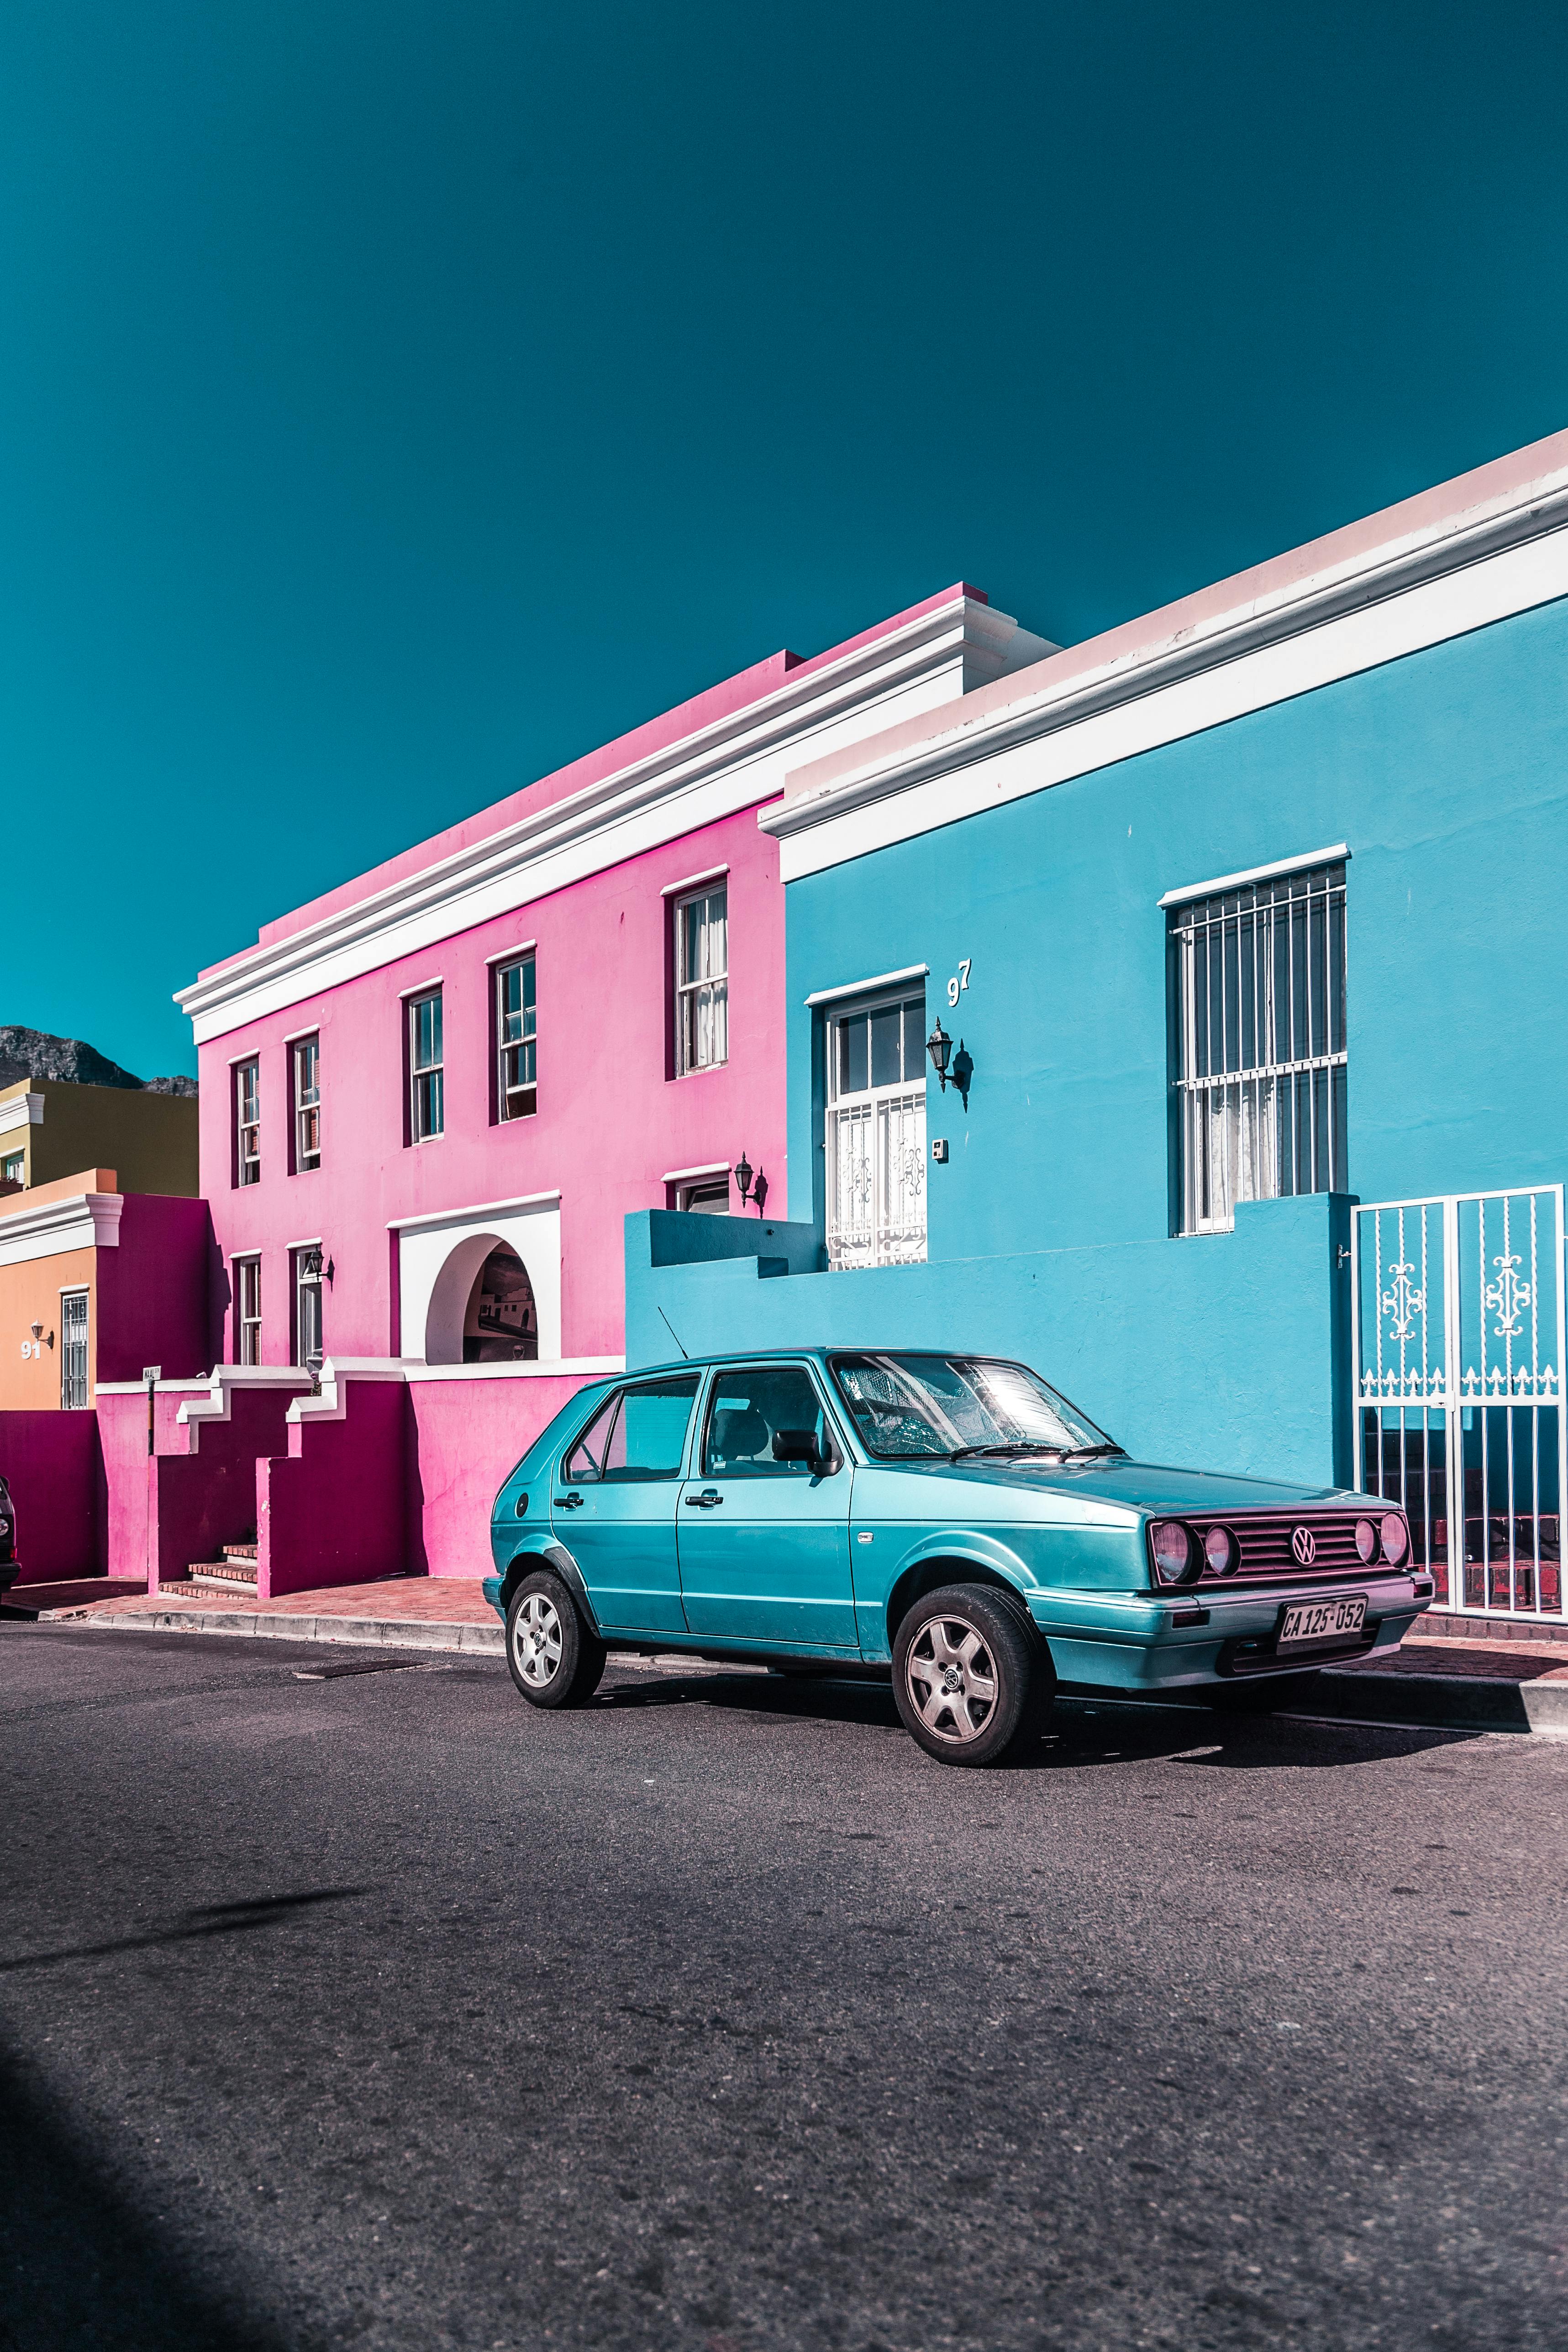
(949, 1517)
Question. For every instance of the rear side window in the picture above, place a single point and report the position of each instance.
(639, 1434)
(748, 1409)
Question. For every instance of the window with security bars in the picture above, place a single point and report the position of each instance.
(876, 1139)
(1260, 979)
(73, 1352)
(517, 1040)
(703, 981)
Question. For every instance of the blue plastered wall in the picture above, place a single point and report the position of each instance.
(1052, 1228)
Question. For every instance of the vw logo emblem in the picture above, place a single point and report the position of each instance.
(1304, 1544)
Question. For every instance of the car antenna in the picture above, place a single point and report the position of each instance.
(672, 1331)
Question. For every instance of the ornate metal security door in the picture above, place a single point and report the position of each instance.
(1458, 1388)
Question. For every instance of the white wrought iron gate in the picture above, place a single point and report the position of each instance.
(1458, 1388)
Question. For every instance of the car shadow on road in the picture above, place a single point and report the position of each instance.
(1083, 1733)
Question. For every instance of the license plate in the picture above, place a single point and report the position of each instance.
(1322, 1621)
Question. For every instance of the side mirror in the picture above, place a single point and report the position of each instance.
(800, 1445)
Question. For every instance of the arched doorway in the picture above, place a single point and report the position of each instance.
(501, 1325)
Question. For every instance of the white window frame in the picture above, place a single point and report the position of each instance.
(76, 1394)
(875, 1142)
(705, 992)
(426, 1080)
(697, 1199)
(307, 1294)
(518, 1049)
(246, 1273)
(1260, 966)
(247, 1131)
(13, 1168)
(307, 1100)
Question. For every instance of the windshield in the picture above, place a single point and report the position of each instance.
(911, 1406)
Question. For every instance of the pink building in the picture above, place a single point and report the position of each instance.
(430, 1097)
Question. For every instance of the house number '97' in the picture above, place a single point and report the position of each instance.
(959, 981)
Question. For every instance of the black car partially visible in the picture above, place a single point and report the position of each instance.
(8, 1539)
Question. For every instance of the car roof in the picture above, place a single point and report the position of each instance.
(819, 1353)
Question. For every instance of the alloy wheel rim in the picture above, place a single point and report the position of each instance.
(951, 1677)
(536, 1641)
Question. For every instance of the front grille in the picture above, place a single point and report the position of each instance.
(1265, 1541)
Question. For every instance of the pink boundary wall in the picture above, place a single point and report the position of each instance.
(53, 1464)
(399, 1478)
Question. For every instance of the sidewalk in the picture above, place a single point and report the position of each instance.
(417, 1612)
(1494, 1686)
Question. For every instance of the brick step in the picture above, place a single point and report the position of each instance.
(246, 1551)
(234, 1574)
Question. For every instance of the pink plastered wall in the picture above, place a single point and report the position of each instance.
(469, 1435)
(611, 1119)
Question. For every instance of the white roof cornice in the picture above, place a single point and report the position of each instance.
(22, 1109)
(1347, 599)
(733, 761)
(79, 1221)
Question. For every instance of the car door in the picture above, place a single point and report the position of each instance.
(613, 1505)
(764, 1544)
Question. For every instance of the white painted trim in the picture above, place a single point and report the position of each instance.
(864, 987)
(311, 1241)
(513, 955)
(139, 1388)
(216, 1405)
(81, 1221)
(1352, 619)
(337, 1372)
(563, 1368)
(690, 1175)
(694, 882)
(238, 1061)
(297, 1036)
(733, 762)
(466, 1216)
(22, 1110)
(423, 988)
(1339, 854)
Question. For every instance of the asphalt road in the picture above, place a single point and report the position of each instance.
(381, 2010)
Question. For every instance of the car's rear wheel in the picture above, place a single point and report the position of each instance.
(554, 1656)
(972, 1679)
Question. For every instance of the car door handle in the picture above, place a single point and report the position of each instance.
(705, 1501)
(568, 1502)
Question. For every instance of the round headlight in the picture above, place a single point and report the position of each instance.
(1395, 1539)
(1365, 1539)
(1172, 1548)
(1221, 1552)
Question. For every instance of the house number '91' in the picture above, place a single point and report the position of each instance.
(959, 981)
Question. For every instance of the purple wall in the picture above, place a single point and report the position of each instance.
(54, 1467)
(332, 1510)
(152, 1291)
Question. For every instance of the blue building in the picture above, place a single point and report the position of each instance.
(1243, 924)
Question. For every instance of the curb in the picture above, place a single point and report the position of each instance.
(393, 1632)
(1451, 1702)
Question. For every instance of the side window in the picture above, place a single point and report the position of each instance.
(587, 1460)
(649, 1438)
(746, 1411)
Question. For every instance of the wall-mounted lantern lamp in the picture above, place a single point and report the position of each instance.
(756, 1191)
(311, 1269)
(946, 1063)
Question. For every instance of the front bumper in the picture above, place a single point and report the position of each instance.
(1147, 1642)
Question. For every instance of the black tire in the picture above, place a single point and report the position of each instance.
(552, 1654)
(996, 1708)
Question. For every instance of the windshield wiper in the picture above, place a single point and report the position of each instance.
(1087, 1452)
(1016, 1445)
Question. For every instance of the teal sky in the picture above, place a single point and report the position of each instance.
(396, 400)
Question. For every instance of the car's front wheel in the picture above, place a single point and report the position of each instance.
(554, 1656)
(972, 1679)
